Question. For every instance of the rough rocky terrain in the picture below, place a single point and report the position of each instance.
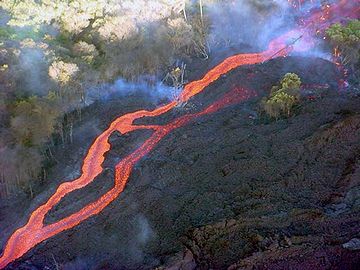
(232, 190)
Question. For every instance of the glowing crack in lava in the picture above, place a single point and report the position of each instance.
(35, 231)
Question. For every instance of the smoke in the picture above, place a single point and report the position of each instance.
(4, 18)
(142, 235)
(249, 22)
(78, 264)
(153, 90)
(256, 23)
(233, 23)
(144, 231)
(34, 67)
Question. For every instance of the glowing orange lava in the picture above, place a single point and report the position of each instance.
(35, 231)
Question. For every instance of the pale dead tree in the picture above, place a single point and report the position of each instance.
(176, 76)
(180, 7)
(201, 12)
(202, 48)
(201, 27)
(57, 267)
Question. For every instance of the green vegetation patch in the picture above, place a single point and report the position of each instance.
(283, 97)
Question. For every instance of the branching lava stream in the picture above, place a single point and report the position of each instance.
(35, 231)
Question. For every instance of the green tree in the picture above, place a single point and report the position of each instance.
(283, 97)
(346, 41)
(33, 121)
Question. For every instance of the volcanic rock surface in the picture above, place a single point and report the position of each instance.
(231, 190)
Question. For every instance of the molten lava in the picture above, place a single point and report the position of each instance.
(35, 231)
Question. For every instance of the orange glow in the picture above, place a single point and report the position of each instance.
(35, 231)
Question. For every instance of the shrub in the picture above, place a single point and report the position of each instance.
(291, 81)
(62, 72)
(180, 34)
(346, 38)
(117, 28)
(279, 103)
(6, 33)
(283, 97)
(87, 52)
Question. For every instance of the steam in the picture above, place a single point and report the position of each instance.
(256, 23)
(4, 18)
(233, 24)
(144, 231)
(78, 263)
(145, 85)
(34, 66)
(249, 22)
(143, 234)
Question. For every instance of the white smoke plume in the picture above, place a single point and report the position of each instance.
(255, 22)
(145, 85)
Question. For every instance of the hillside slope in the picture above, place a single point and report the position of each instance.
(232, 189)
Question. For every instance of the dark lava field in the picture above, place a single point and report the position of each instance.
(230, 190)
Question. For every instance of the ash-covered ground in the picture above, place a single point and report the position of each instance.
(231, 190)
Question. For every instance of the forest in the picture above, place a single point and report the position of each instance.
(54, 52)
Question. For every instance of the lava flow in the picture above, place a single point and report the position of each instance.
(35, 231)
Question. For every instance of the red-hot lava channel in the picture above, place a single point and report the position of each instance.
(35, 231)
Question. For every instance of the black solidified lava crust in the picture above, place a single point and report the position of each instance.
(231, 189)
